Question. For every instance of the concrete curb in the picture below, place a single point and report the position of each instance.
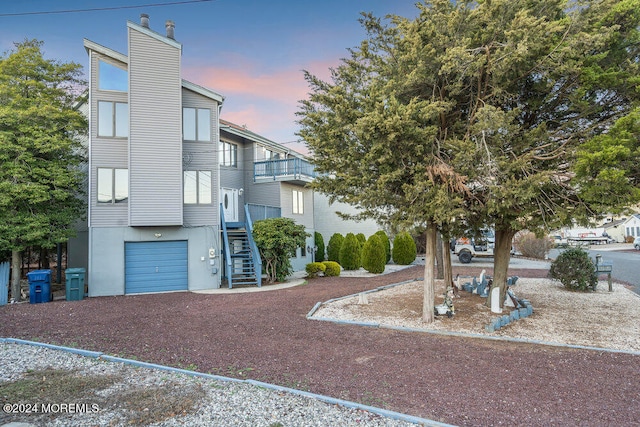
(326, 399)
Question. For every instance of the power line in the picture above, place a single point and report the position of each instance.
(100, 9)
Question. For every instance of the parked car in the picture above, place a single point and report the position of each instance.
(636, 243)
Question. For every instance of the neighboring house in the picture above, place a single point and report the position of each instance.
(615, 229)
(632, 226)
(328, 222)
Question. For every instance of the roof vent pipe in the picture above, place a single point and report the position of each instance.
(170, 26)
(144, 20)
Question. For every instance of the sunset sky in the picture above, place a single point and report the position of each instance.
(250, 51)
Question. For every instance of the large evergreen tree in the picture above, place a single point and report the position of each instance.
(40, 151)
(470, 114)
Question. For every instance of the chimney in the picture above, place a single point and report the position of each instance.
(144, 20)
(170, 26)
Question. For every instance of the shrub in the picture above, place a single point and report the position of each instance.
(575, 270)
(386, 243)
(313, 268)
(629, 239)
(531, 246)
(350, 257)
(277, 239)
(333, 248)
(404, 249)
(332, 269)
(374, 257)
(361, 238)
(319, 241)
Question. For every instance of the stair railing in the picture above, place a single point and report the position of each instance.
(227, 251)
(255, 254)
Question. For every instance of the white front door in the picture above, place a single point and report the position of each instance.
(229, 200)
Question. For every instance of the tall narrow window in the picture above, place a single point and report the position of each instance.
(298, 202)
(196, 124)
(197, 187)
(113, 185)
(228, 154)
(113, 119)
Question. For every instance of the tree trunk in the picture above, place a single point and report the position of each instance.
(439, 259)
(446, 263)
(16, 261)
(501, 258)
(428, 301)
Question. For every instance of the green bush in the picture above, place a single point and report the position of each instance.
(332, 269)
(333, 248)
(361, 238)
(531, 246)
(404, 249)
(386, 243)
(313, 268)
(575, 270)
(374, 257)
(277, 239)
(319, 241)
(350, 253)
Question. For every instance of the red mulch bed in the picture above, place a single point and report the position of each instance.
(265, 336)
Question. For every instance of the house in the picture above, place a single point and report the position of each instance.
(173, 189)
(631, 226)
(615, 229)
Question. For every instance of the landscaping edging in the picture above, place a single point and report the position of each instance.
(326, 399)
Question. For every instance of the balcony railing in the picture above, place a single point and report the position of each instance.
(293, 169)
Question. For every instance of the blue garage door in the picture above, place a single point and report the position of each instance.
(155, 266)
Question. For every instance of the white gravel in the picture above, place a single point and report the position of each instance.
(223, 403)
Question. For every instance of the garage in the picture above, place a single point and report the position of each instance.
(155, 266)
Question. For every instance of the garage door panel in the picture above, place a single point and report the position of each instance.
(155, 266)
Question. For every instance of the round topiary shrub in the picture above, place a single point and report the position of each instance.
(314, 268)
(386, 243)
(333, 248)
(575, 270)
(361, 238)
(332, 269)
(374, 257)
(319, 242)
(350, 252)
(404, 249)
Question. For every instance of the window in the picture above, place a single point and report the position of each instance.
(197, 187)
(228, 154)
(111, 77)
(113, 119)
(113, 185)
(196, 124)
(298, 202)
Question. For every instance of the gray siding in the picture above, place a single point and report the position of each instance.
(202, 156)
(155, 132)
(286, 197)
(105, 152)
(328, 222)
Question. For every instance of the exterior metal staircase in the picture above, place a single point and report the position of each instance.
(243, 265)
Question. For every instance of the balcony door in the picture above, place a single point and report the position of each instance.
(229, 200)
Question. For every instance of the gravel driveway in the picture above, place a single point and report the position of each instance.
(266, 336)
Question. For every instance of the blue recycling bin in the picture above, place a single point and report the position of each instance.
(39, 286)
(74, 283)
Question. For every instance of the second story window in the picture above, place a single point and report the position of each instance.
(196, 124)
(113, 119)
(111, 77)
(113, 185)
(228, 154)
(197, 187)
(298, 202)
